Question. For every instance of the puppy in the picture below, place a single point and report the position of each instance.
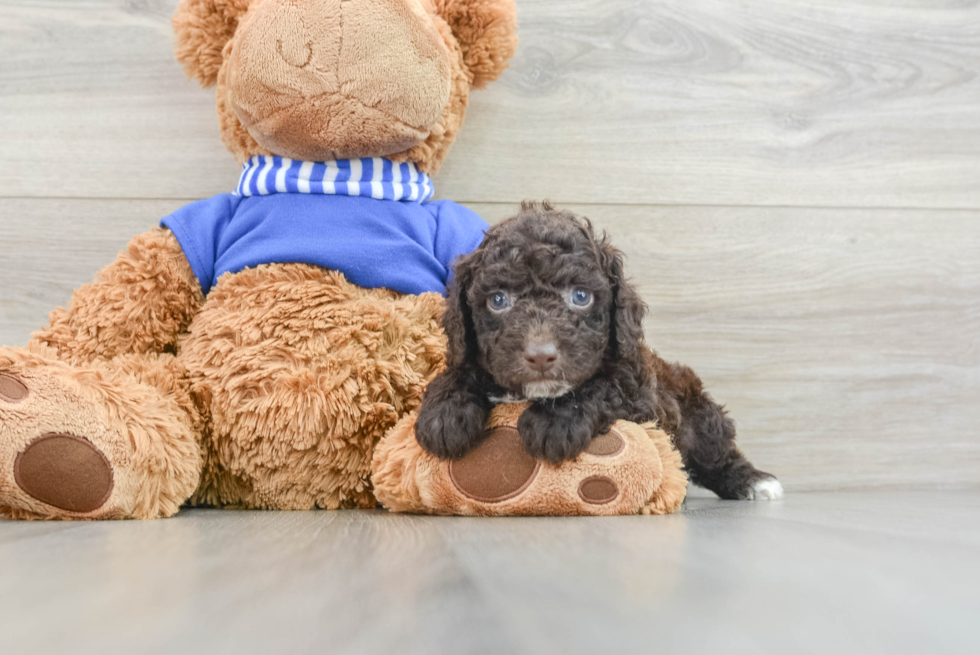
(542, 312)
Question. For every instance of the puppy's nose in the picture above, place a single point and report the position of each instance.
(541, 355)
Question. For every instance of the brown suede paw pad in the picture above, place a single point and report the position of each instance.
(64, 471)
(498, 469)
(609, 444)
(12, 390)
(598, 490)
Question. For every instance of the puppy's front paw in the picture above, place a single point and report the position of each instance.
(554, 434)
(450, 430)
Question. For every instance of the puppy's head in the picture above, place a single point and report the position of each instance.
(542, 304)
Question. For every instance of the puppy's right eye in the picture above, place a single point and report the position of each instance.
(498, 302)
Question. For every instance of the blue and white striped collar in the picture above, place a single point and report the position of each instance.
(377, 178)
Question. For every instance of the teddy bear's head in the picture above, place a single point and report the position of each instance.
(318, 80)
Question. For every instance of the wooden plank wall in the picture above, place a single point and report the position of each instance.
(796, 184)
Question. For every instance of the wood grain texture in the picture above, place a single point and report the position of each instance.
(844, 342)
(842, 573)
(765, 102)
(50, 247)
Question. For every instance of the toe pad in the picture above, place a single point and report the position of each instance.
(12, 390)
(598, 490)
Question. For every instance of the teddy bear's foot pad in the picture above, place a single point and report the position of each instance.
(94, 441)
(598, 490)
(12, 390)
(64, 471)
(498, 469)
(629, 469)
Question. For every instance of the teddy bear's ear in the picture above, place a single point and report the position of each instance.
(486, 30)
(201, 30)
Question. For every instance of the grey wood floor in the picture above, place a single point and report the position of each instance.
(866, 572)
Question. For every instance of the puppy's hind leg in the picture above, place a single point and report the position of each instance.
(706, 439)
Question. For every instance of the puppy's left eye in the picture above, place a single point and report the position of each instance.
(580, 298)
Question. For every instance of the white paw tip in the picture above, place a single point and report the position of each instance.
(768, 489)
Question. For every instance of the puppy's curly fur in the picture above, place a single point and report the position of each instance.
(545, 277)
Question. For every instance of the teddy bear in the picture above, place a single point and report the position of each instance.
(252, 349)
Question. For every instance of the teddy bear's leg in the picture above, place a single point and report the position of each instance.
(304, 372)
(116, 439)
(95, 421)
(138, 304)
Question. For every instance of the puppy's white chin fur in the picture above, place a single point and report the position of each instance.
(535, 391)
(546, 389)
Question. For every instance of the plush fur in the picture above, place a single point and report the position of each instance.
(486, 33)
(201, 30)
(273, 391)
(106, 319)
(515, 296)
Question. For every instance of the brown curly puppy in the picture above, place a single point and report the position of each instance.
(543, 312)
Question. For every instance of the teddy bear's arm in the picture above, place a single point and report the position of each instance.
(138, 304)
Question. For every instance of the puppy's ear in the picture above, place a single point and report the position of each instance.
(628, 307)
(486, 30)
(201, 30)
(457, 320)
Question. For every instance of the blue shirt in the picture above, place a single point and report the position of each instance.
(403, 245)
